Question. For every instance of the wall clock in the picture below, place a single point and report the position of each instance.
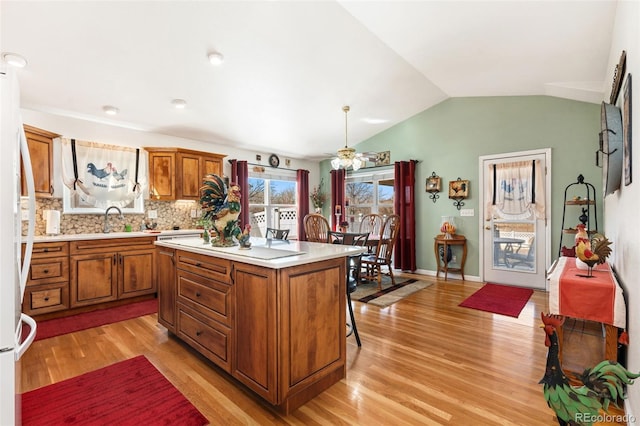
(611, 148)
(274, 161)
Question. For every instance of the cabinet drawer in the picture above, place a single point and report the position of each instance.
(48, 270)
(206, 296)
(46, 298)
(207, 266)
(111, 244)
(55, 249)
(206, 336)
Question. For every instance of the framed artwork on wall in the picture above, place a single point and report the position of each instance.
(434, 183)
(626, 131)
(458, 188)
(618, 76)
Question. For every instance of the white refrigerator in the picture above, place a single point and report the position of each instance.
(13, 268)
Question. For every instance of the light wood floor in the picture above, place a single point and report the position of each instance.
(424, 360)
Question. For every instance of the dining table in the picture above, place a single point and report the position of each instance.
(503, 246)
(336, 237)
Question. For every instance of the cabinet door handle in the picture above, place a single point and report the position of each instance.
(114, 259)
(51, 189)
(46, 271)
(46, 299)
(121, 257)
(198, 333)
(197, 294)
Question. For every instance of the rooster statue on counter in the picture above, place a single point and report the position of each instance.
(221, 207)
(601, 385)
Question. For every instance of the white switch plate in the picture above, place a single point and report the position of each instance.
(194, 213)
(467, 212)
(153, 214)
(24, 214)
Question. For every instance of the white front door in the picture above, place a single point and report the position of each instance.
(516, 242)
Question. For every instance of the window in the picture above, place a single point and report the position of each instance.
(370, 192)
(273, 203)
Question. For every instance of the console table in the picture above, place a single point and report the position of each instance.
(442, 264)
(598, 299)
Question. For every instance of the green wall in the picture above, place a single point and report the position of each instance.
(449, 137)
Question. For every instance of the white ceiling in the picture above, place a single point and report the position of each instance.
(291, 66)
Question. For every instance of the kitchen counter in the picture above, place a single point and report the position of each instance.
(274, 254)
(272, 316)
(102, 235)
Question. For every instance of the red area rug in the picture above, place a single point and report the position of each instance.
(499, 299)
(58, 326)
(130, 392)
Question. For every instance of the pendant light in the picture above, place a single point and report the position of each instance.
(346, 157)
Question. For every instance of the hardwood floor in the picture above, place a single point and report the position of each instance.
(424, 360)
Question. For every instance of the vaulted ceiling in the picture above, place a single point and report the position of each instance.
(290, 66)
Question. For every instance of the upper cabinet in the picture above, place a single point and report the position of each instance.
(176, 174)
(41, 152)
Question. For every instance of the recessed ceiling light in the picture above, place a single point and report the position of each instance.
(111, 110)
(179, 103)
(14, 59)
(216, 58)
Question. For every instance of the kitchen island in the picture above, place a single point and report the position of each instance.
(272, 316)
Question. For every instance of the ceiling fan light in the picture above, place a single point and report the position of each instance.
(335, 163)
(357, 163)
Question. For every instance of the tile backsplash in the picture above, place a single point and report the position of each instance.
(170, 214)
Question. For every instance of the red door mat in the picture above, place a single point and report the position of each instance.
(499, 299)
(131, 392)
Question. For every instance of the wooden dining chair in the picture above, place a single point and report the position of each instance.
(317, 228)
(372, 264)
(371, 223)
(353, 272)
(277, 234)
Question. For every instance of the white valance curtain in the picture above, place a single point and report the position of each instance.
(516, 191)
(102, 175)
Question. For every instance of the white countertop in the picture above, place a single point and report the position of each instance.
(265, 252)
(101, 235)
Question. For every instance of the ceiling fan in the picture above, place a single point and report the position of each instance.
(348, 157)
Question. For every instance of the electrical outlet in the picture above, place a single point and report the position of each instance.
(467, 212)
(152, 214)
(194, 213)
(24, 214)
(454, 259)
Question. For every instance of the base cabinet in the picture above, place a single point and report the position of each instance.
(279, 332)
(48, 281)
(111, 269)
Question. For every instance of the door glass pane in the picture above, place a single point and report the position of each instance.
(514, 245)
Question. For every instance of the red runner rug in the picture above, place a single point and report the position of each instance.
(58, 326)
(130, 392)
(499, 299)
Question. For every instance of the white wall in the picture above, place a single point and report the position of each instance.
(115, 135)
(621, 208)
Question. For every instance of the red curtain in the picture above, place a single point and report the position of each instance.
(404, 205)
(240, 175)
(337, 196)
(302, 176)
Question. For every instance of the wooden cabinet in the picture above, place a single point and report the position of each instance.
(111, 269)
(280, 332)
(205, 302)
(167, 287)
(48, 281)
(41, 152)
(176, 174)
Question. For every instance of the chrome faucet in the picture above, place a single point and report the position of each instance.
(106, 229)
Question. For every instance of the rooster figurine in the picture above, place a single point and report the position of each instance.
(594, 252)
(580, 405)
(222, 208)
(243, 238)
